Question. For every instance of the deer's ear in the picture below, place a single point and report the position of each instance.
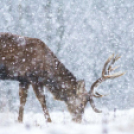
(80, 86)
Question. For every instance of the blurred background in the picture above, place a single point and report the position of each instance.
(82, 34)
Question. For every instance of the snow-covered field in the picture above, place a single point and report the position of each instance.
(120, 122)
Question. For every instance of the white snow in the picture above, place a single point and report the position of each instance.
(121, 122)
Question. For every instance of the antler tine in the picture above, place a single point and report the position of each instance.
(117, 57)
(110, 66)
(98, 95)
(110, 69)
(115, 75)
(104, 71)
(105, 75)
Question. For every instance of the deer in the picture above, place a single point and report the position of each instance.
(30, 62)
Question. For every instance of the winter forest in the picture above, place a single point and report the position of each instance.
(82, 34)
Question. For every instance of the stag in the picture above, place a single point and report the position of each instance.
(30, 62)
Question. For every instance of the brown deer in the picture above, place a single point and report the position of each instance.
(30, 61)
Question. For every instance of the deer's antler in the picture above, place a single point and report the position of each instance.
(107, 69)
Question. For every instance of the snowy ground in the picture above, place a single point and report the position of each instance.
(121, 122)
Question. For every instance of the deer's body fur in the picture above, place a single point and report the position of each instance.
(30, 61)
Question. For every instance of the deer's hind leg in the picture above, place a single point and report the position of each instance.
(39, 92)
(23, 87)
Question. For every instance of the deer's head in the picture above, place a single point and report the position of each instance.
(76, 104)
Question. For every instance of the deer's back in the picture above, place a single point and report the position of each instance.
(20, 54)
(30, 57)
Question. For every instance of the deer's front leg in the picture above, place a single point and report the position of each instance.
(39, 92)
(23, 87)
